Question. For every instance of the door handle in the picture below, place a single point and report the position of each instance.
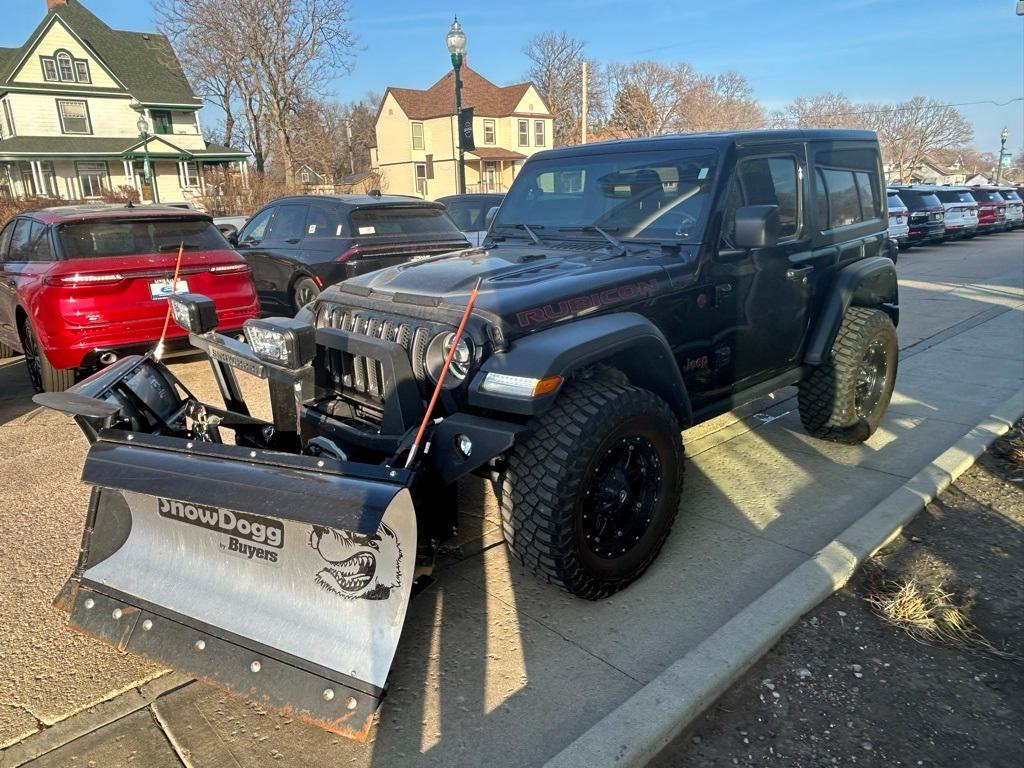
(799, 273)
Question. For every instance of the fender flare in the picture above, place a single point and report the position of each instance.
(866, 283)
(626, 340)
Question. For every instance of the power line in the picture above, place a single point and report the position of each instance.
(932, 106)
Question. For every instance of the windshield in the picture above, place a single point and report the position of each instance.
(661, 194)
(383, 221)
(136, 237)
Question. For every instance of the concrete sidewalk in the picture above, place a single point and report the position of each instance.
(495, 667)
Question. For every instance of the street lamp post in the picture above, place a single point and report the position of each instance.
(147, 168)
(1003, 136)
(456, 40)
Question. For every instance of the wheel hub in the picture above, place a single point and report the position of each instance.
(870, 379)
(621, 497)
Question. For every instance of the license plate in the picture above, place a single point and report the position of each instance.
(161, 289)
(899, 219)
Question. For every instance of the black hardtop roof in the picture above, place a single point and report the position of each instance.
(712, 139)
(360, 201)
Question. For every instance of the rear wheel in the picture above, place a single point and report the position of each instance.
(44, 377)
(844, 399)
(304, 291)
(589, 498)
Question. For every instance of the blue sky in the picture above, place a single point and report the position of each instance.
(873, 50)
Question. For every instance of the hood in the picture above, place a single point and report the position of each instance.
(524, 286)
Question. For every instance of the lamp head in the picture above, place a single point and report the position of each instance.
(456, 39)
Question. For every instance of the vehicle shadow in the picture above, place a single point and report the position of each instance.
(15, 390)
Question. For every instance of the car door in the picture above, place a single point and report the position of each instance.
(763, 294)
(8, 290)
(250, 245)
(282, 248)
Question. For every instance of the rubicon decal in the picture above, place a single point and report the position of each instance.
(554, 311)
(239, 526)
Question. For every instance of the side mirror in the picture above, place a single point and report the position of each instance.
(490, 217)
(757, 226)
(232, 238)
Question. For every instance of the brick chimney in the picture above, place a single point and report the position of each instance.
(51, 3)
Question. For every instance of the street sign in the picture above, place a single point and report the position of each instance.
(1004, 161)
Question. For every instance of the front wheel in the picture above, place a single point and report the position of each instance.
(44, 377)
(589, 498)
(845, 397)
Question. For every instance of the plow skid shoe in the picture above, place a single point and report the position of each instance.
(255, 571)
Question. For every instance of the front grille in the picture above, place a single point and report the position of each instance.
(365, 375)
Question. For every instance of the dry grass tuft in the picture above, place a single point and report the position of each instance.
(930, 616)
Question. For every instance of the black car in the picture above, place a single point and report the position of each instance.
(469, 212)
(927, 215)
(296, 246)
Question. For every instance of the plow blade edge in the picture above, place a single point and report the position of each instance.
(255, 571)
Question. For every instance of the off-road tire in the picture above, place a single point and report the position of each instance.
(42, 374)
(543, 480)
(827, 398)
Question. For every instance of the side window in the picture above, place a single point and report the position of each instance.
(773, 181)
(820, 200)
(323, 223)
(39, 243)
(869, 206)
(256, 230)
(5, 239)
(289, 224)
(21, 241)
(843, 201)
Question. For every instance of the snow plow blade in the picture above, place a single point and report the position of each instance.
(284, 578)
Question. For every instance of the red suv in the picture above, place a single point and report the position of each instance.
(991, 209)
(82, 286)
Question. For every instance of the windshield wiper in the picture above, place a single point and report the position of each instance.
(528, 229)
(176, 246)
(602, 232)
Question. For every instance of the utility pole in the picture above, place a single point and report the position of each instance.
(351, 157)
(1003, 136)
(583, 108)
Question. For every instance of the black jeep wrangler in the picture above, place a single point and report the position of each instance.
(629, 289)
(626, 291)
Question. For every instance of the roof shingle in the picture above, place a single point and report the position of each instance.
(486, 98)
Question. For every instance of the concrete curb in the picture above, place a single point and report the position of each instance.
(635, 732)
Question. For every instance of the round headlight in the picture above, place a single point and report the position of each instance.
(437, 352)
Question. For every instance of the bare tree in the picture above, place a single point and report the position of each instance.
(825, 110)
(557, 70)
(912, 130)
(650, 98)
(723, 102)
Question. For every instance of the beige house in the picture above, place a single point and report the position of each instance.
(417, 149)
(70, 100)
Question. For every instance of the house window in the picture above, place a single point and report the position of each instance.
(82, 71)
(93, 178)
(8, 118)
(538, 133)
(74, 116)
(162, 122)
(49, 70)
(190, 174)
(417, 135)
(524, 133)
(65, 66)
(488, 131)
(421, 178)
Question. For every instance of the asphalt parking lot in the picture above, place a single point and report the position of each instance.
(494, 666)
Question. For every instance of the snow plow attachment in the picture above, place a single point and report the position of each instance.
(284, 577)
(285, 584)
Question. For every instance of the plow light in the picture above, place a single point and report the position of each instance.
(281, 340)
(194, 312)
(519, 386)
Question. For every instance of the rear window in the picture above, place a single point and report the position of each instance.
(918, 201)
(985, 196)
(377, 222)
(136, 237)
(1011, 195)
(895, 201)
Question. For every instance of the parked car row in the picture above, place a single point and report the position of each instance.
(83, 286)
(928, 213)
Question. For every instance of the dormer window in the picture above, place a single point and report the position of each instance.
(63, 67)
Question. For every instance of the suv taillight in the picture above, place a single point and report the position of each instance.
(228, 268)
(76, 280)
(353, 251)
